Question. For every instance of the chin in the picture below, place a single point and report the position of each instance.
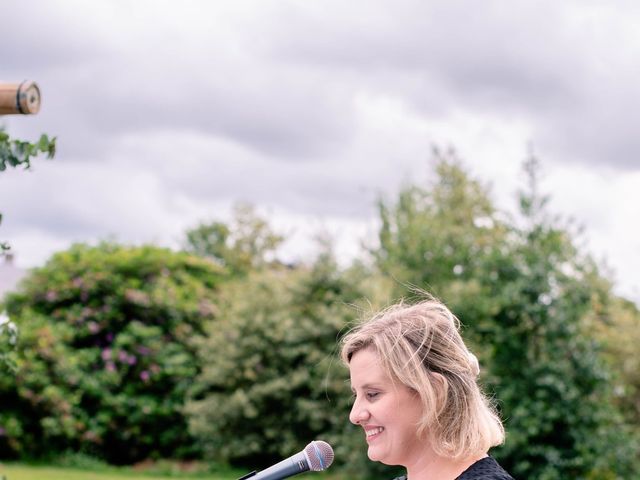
(377, 457)
(373, 456)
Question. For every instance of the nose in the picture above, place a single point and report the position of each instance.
(359, 413)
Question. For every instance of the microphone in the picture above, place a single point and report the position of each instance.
(316, 456)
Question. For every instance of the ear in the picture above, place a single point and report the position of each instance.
(440, 387)
(438, 380)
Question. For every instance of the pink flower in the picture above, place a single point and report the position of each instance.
(144, 375)
(143, 350)
(111, 367)
(106, 354)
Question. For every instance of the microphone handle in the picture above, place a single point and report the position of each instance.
(289, 466)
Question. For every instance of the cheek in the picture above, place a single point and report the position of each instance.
(411, 412)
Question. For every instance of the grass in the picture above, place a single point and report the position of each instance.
(77, 466)
(22, 471)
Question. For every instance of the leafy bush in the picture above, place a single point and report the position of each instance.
(271, 380)
(106, 353)
(8, 338)
(15, 153)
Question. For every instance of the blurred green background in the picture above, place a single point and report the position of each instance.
(220, 359)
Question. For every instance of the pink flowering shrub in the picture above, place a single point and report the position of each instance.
(106, 353)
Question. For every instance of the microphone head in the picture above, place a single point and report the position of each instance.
(319, 454)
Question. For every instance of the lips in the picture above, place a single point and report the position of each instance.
(373, 432)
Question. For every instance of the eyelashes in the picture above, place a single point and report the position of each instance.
(368, 395)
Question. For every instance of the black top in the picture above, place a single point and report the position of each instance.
(484, 469)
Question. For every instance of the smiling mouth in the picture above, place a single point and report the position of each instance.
(373, 432)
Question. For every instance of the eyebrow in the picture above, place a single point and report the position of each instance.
(368, 385)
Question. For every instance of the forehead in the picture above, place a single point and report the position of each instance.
(365, 368)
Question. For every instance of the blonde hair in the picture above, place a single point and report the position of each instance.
(420, 346)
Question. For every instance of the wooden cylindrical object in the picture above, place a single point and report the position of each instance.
(21, 98)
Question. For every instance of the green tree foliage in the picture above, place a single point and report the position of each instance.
(616, 324)
(106, 353)
(523, 293)
(618, 329)
(246, 244)
(271, 381)
(14, 153)
(435, 238)
(554, 388)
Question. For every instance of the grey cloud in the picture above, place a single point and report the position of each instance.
(287, 88)
(77, 200)
(484, 49)
(535, 61)
(286, 119)
(316, 187)
(40, 36)
(287, 115)
(164, 112)
(97, 86)
(290, 95)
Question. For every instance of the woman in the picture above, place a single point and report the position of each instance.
(416, 395)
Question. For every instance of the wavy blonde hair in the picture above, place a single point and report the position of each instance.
(420, 346)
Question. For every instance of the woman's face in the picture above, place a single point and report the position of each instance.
(388, 412)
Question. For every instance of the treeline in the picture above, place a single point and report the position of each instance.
(224, 353)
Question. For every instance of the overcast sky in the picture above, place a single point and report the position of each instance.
(167, 113)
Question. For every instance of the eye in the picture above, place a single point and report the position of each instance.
(372, 395)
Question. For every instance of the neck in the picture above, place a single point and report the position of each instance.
(435, 467)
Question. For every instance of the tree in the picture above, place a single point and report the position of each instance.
(434, 238)
(523, 294)
(551, 381)
(106, 353)
(245, 244)
(616, 323)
